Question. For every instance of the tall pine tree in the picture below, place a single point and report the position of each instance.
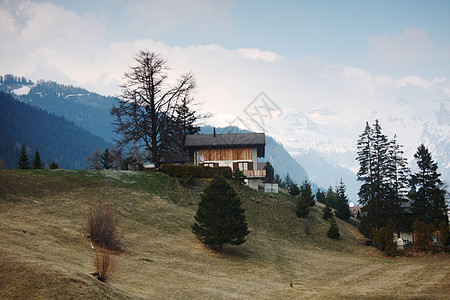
(37, 163)
(306, 193)
(427, 190)
(374, 167)
(23, 162)
(342, 209)
(397, 193)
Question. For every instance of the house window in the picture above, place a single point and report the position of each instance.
(211, 165)
(243, 166)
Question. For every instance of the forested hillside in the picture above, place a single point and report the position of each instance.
(57, 139)
(85, 109)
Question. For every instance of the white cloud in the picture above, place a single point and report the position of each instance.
(53, 44)
(412, 46)
(420, 82)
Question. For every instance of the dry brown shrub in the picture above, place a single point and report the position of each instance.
(104, 263)
(102, 228)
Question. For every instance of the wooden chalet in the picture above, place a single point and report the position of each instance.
(234, 150)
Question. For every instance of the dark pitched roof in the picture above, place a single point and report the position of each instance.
(229, 140)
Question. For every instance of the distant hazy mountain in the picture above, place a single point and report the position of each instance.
(57, 139)
(328, 152)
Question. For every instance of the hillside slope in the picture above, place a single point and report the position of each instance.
(85, 109)
(57, 139)
(44, 253)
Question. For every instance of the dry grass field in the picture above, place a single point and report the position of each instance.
(45, 254)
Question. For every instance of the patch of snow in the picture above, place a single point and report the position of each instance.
(24, 90)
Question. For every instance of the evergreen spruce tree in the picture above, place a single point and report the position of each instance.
(37, 163)
(397, 194)
(107, 160)
(287, 182)
(277, 179)
(374, 161)
(23, 162)
(427, 190)
(294, 190)
(320, 196)
(306, 193)
(220, 218)
(342, 209)
(302, 207)
(333, 230)
(327, 213)
(331, 198)
(184, 124)
(269, 173)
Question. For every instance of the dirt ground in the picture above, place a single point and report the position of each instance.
(44, 252)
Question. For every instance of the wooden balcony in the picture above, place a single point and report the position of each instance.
(254, 173)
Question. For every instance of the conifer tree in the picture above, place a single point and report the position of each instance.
(277, 179)
(220, 218)
(294, 190)
(306, 193)
(320, 196)
(287, 182)
(333, 230)
(269, 173)
(107, 160)
(327, 213)
(37, 163)
(342, 209)
(331, 198)
(427, 190)
(373, 157)
(301, 207)
(23, 162)
(397, 187)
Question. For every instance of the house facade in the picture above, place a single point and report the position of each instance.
(234, 150)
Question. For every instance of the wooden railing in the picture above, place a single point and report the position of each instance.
(254, 173)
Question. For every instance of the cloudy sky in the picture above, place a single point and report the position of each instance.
(334, 61)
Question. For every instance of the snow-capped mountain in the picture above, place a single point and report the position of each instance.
(327, 150)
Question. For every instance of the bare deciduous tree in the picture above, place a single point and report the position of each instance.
(148, 105)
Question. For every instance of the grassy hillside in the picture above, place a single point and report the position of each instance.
(44, 252)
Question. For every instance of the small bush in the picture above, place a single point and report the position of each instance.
(102, 228)
(423, 233)
(390, 244)
(379, 240)
(238, 176)
(103, 263)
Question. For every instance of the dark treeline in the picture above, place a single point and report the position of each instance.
(57, 139)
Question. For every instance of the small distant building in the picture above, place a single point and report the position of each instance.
(234, 150)
(355, 211)
(271, 188)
